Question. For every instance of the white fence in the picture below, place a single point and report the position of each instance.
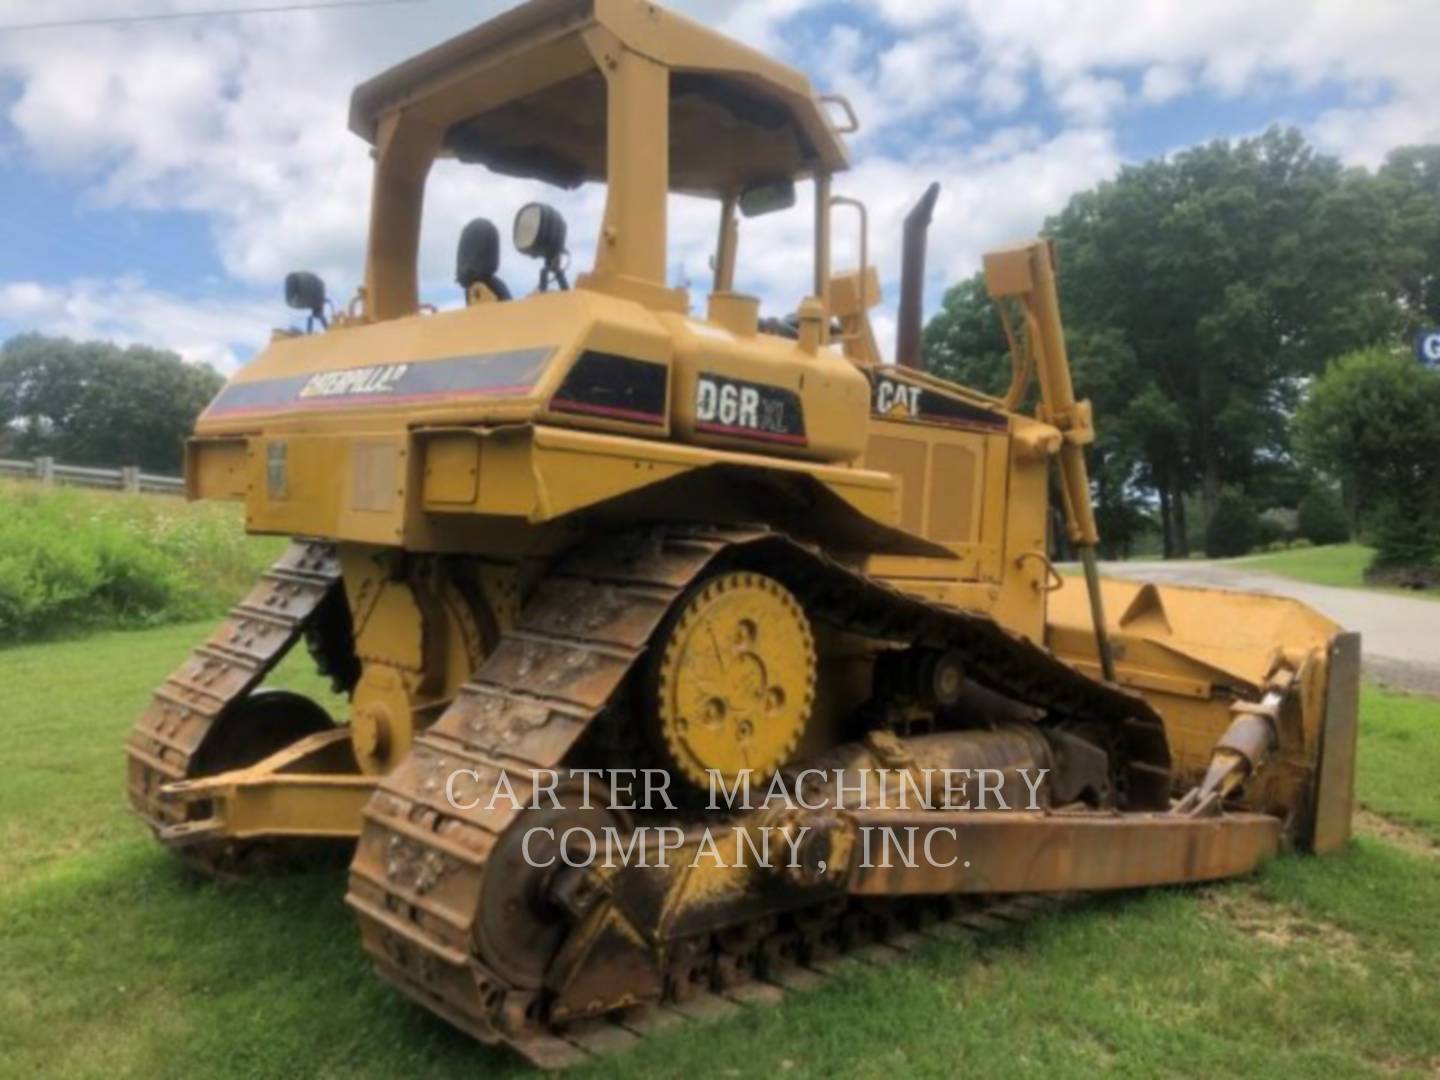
(129, 478)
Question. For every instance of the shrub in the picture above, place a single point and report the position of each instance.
(44, 571)
(72, 560)
(137, 581)
(1275, 526)
(1322, 517)
(1235, 528)
(1406, 531)
(1373, 419)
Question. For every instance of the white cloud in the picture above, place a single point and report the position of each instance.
(1163, 82)
(1234, 47)
(913, 14)
(992, 194)
(1088, 100)
(1003, 89)
(917, 74)
(1367, 133)
(24, 300)
(243, 121)
(126, 310)
(755, 22)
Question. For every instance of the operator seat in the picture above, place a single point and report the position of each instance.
(478, 258)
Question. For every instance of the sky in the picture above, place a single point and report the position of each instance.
(158, 179)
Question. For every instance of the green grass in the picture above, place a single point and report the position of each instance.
(1397, 771)
(1333, 564)
(114, 963)
(1342, 565)
(68, 706)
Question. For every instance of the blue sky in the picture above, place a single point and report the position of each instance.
(158, 179)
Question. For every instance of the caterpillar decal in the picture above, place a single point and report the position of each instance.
(512, 372)
(899, 399)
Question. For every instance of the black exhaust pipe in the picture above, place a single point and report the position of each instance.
(912, 281)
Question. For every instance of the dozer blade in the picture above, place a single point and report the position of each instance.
(1335, 786)
(939, 852)
(1198, 656)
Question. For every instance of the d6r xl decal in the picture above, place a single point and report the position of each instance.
(748, 410)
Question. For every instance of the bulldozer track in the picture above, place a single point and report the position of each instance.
(420, 869)
(255, 636)
(914, 924)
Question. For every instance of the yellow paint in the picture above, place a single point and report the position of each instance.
(950, 504)
(736, 680)
(1192, 652)
(216, 469)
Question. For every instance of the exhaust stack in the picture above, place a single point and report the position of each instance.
(912, 281)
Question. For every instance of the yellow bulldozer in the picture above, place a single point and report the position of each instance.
(572, 548)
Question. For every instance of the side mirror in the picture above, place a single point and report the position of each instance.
(305, 291)
(767, 198)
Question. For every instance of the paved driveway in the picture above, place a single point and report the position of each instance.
(1400, 636)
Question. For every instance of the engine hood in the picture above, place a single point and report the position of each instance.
(490, 362)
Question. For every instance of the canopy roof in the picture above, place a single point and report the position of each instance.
(524, 95)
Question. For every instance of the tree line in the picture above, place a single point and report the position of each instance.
(1240, 314)
(95, 403)
(1206, 296)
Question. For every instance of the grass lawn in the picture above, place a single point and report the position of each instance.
(1334, 564)
(1342, 565)
(114, 963)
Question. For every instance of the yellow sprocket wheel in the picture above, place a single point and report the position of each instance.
(736, 679)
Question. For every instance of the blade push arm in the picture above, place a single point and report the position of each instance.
(1026, 275)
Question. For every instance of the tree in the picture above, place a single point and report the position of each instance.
(965, 343)
(1220, 281)
(1234, 528)
(1373, 421)
(94, 403)
(1232, 270)
(1409, 183)
(1322, 517)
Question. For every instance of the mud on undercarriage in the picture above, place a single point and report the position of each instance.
(465, 908)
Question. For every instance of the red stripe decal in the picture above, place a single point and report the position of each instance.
(751, 433)
(616, 411)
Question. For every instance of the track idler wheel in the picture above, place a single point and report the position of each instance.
(533, 890)
(254, 727)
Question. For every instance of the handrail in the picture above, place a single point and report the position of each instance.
(1053, 580)
(128, 478)
(850, 115)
